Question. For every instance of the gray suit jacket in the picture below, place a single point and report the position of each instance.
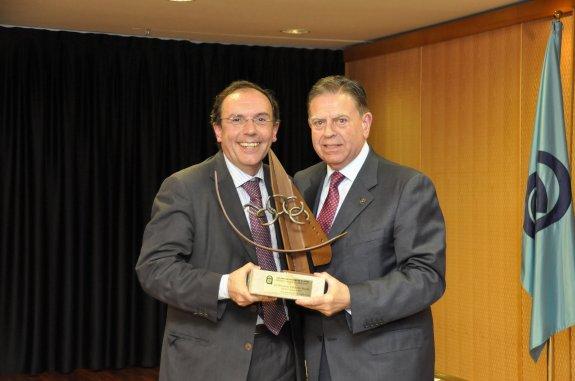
(393, 260)
(187, 246)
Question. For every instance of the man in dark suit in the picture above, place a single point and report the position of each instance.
(374, 322)
(193, 261)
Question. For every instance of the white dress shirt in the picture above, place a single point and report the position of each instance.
(350, 172)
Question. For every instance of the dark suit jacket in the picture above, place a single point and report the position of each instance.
(393, 260)
(187, 246)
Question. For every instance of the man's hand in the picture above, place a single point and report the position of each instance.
(336, 299)
(238, 288)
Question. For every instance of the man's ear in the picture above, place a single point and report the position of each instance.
(217, 131)
(275, 132)
(366, 120)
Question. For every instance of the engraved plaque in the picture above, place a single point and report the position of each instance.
(285, 285)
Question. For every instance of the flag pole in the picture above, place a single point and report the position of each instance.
(550, 359)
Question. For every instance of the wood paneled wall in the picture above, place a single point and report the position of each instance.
(462, 112)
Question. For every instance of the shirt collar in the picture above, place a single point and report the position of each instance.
(351, 170)
(239, 177)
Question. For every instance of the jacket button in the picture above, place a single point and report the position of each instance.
(248, 346)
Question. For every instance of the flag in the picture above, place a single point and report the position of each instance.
(548, 264)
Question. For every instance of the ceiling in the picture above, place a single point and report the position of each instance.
(333, 24)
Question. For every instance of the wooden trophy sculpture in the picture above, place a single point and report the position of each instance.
(304, 242)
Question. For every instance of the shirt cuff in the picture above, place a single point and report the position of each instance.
(223, 291)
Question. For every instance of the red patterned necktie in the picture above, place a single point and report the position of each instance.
(274, 313)
(327, 213)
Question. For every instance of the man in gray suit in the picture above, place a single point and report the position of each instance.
(374, 322)
(193, 261)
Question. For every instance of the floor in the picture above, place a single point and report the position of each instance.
(129, 374)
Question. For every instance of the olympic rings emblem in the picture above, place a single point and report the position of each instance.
(293, 209)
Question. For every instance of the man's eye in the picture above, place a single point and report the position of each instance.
(341, 121)
(318, 123)
(236, 119)
(261, 119)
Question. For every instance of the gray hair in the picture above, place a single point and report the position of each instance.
(339, 84)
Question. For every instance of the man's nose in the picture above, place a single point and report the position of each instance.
(328, 129)
(250, 127)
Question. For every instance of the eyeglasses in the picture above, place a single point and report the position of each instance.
(258, 120)
(319, 124)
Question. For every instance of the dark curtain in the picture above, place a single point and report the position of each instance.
(89, 126)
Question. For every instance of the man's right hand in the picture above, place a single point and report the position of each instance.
(238, 288)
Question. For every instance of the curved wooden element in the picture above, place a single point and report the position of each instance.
(295, 236)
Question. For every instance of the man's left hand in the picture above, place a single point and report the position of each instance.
(336, 298)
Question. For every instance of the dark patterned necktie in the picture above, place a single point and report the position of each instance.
(274, 313)
(327, 213)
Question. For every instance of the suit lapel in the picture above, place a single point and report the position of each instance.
(233, 205)
(358, 197)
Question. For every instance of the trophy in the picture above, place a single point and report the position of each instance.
(304, 242)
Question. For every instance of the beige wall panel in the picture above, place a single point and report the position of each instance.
(462, 111)
(392, 83)
(470, 124)
(534, 41)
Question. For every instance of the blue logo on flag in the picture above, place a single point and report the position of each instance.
(537, 192)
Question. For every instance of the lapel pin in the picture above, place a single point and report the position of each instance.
(362, 200)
